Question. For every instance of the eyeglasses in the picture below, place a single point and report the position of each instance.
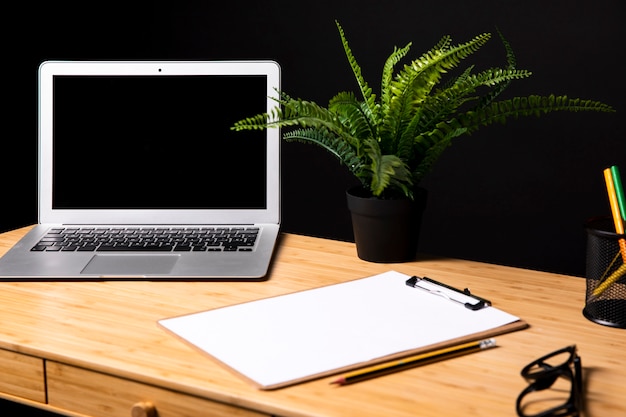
(549, 377)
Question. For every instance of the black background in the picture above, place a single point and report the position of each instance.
(516, 194)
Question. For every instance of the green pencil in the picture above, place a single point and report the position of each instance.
(619, 191)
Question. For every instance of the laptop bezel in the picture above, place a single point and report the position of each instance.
(47, 214)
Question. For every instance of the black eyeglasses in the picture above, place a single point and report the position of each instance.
(554, 371)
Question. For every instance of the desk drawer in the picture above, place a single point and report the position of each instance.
(99, 395)
(22, 376)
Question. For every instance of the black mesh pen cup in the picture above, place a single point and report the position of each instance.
(606, 275)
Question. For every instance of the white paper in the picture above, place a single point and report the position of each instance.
(280, 339)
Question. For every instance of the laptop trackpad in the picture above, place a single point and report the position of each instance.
(130, 264)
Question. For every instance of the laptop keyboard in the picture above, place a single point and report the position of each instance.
(160, 239)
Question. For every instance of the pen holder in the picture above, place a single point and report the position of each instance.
(603, 264)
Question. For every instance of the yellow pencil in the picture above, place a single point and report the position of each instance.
(619, 272)
(416, 360)
(617, 218)
(619, 229)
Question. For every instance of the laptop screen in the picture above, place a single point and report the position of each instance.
(143, 142)
(153, 142)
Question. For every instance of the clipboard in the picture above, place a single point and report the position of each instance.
(297, 337)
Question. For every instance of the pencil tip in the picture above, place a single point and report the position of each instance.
(339, 381)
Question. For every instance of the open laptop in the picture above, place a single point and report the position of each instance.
(141, 176)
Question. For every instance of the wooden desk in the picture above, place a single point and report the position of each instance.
(94, 349)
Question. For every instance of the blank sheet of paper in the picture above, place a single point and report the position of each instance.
(290, 338)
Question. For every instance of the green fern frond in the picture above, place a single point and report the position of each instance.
(443, 43)
(418, 79)
(388, 72)
(495, 76)
(445, 102)
(384, 169)
(533, 105)
(499, 89)
(439, 139)
(442, 131)
(415, 82)
(405, 148)
(257, 122)
(365, 89)
(510, 55)
(337, 146)
(469, 83)
(354, 115)
(432, 65)
(457, 80)
(305, 114)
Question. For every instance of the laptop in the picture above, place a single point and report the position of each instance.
(141, 177)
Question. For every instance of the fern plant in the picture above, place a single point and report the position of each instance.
(392, 140)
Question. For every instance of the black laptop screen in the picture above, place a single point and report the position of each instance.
(153, 142)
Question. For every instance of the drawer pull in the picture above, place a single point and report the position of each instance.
(143, 409)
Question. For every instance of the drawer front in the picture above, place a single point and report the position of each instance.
(22, 376)
(99, 395)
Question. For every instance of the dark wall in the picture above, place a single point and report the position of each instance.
(515, 194)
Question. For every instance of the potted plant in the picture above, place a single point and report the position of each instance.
(392, 140)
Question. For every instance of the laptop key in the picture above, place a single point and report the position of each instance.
(133, 248)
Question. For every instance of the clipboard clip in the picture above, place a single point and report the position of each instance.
(465, 297)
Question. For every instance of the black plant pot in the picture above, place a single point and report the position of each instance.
(386, 230)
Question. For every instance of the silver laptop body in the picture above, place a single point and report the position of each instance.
(145, 149)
